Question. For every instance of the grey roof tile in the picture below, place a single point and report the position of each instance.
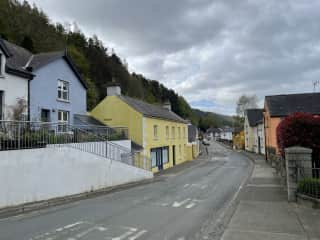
(283, 105)
(18, 58)
(151, 110)
(255, 116)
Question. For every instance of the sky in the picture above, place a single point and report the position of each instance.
(210, 52)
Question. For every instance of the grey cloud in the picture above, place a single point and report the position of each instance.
(208, 50)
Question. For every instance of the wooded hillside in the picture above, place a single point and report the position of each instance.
(31, 28)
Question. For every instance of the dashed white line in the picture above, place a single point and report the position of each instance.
(179, 204)
(139, 234)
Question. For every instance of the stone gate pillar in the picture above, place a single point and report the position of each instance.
(297, 158)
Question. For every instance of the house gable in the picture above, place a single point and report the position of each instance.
(44, 91)
(114, 112)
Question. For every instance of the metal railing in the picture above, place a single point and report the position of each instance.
(109, 133)
(308, 179)
(17, 135)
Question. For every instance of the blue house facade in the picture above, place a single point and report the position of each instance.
(57, 92)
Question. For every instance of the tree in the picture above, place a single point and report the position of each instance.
(19, 110)
(245, 102)
(27, 43)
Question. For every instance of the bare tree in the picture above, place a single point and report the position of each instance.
(18, 111)
(245, 102)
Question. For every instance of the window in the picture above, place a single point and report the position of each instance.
(173, 132)
(165, 155)
(179, 132)
(155, 132)
(153, 157)
(180, 150)
(63, 120)
(63, 90)
(167, 132)
(45, 115)
(184, 132)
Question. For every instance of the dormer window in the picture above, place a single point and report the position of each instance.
(63, 90)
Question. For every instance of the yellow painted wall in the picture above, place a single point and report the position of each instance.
(114, 112)
(163, 140)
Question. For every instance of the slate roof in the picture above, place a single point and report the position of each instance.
(283, 105)
(42, 59)
(192, 133)
(39, 60)
(17, 57)
(255, 116)
(151, 110)
(20, 59)
(86, 120)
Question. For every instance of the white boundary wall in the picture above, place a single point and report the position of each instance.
(41, 174)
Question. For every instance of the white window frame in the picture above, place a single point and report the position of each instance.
(173, 132)
(62, 122)
(167, 132)
(63, 88)
(155, 131)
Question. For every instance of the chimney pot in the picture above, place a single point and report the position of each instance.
(167, 105)
(113, 89)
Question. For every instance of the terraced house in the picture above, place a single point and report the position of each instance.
(161, 133)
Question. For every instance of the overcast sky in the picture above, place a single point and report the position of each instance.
(210, 52)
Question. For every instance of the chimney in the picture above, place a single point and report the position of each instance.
(113, 89)
(167, 105)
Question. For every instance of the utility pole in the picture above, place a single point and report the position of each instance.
(315, 85)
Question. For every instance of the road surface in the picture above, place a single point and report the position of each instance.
(183, 203)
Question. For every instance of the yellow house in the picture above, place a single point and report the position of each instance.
(162, 133)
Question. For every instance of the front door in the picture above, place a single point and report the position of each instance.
(259, 145)
(174, 154)
(1, 105)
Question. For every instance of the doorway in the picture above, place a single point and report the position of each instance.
(259, 145)
(174, 155)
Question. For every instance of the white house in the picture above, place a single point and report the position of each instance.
(254, 131)
(14, 79)
(226, 133)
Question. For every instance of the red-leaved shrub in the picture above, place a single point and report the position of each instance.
(299, 129)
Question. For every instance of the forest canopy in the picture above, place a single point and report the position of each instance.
(32, 29)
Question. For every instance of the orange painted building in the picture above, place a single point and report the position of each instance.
(278, 107)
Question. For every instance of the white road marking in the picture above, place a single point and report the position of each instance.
(72, 225)
(179, 204)
(139, 234)
(126, 234)
(191, 205)
(186, 185)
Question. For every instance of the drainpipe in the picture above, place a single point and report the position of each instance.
(28, 118)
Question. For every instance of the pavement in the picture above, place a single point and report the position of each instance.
(190, 201)
(263, 211)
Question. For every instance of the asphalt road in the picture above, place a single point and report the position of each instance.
(183, 203)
